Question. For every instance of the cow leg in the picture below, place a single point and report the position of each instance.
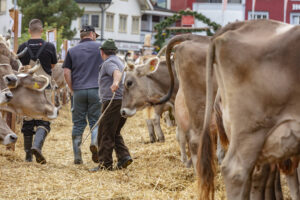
(239, 162)
(298, 172)
(293, 184)
(278, 189)
(157, 128)
(151, 130)
(259, 180)
(181, 138)
(273, 185)
(220, 151)
(168, 120)
(57, 96)
(193, 140)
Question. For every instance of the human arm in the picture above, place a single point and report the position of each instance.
(67, 75)
(53, 56)
(117, 77)
(67, 66)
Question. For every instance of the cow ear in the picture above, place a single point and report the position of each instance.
(39, 83)
(150, 67)
(129, 66)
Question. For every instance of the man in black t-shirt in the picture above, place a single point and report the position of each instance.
(46, 53)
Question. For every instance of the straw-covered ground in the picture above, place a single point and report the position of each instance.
(156, 173)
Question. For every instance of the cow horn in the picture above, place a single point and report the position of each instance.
(35, 67)
(22, 53)
(162, 51)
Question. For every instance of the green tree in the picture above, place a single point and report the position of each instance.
(56, 13)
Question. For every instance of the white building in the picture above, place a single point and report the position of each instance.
(5, 22)
(126, 21)
(213, 9)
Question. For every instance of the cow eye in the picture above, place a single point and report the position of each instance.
(128, 84)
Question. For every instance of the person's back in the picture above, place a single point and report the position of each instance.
(46, 53)
(85, 56)
(81, 69)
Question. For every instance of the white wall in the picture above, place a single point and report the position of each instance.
(4, 18)
(214, 12)
(125, 7)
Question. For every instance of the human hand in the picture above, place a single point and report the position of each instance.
(114, 87)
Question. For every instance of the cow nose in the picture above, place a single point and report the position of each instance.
(9, 95)
(11, 80)
(13, 137)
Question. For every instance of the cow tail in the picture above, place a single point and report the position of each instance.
(174, 41)
(206, 153)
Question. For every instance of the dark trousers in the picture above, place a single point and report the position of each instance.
(29, 125)
(109, 136)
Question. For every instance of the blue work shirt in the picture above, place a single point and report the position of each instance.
(84, 60)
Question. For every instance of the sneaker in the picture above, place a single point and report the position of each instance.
(124, 162)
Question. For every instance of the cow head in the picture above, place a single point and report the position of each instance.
(30, 96)
(6, 135)
(5, 94)
(136, 88)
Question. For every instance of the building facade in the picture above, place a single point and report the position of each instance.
(125, 21)
(5, 19)
(268, 9)
(182, 4)
(213, 9)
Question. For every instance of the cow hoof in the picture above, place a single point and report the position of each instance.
(161, 140)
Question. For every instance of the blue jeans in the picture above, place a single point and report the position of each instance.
(86, 106)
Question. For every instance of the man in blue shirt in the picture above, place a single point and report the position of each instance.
(81, 74)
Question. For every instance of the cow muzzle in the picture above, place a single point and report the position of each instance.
(55, 113)
(126, 112)
(5, 96)
(10, 138)
(10, 80)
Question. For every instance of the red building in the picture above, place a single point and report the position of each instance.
(177, 5)
(274, 9)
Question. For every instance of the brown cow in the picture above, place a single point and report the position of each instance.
(194, 88)
(142, 84)
(7, 136)
(59, 83)
(189, 59)
(30, 98)
(257, 69)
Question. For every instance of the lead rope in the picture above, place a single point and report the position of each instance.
(100, 118)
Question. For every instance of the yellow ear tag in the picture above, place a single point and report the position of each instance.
(36, 85)
(152, 68)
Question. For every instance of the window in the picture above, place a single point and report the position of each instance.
(123, 24)
(155, 18)
(135, 25)
(95, 21)
(2, 6)
(258, 15)
(109, 22)
(160, 3)
(91, 19)
(295, 18)
(144, 17)
(84, 19)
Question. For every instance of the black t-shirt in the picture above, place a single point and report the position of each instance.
(47, 56)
